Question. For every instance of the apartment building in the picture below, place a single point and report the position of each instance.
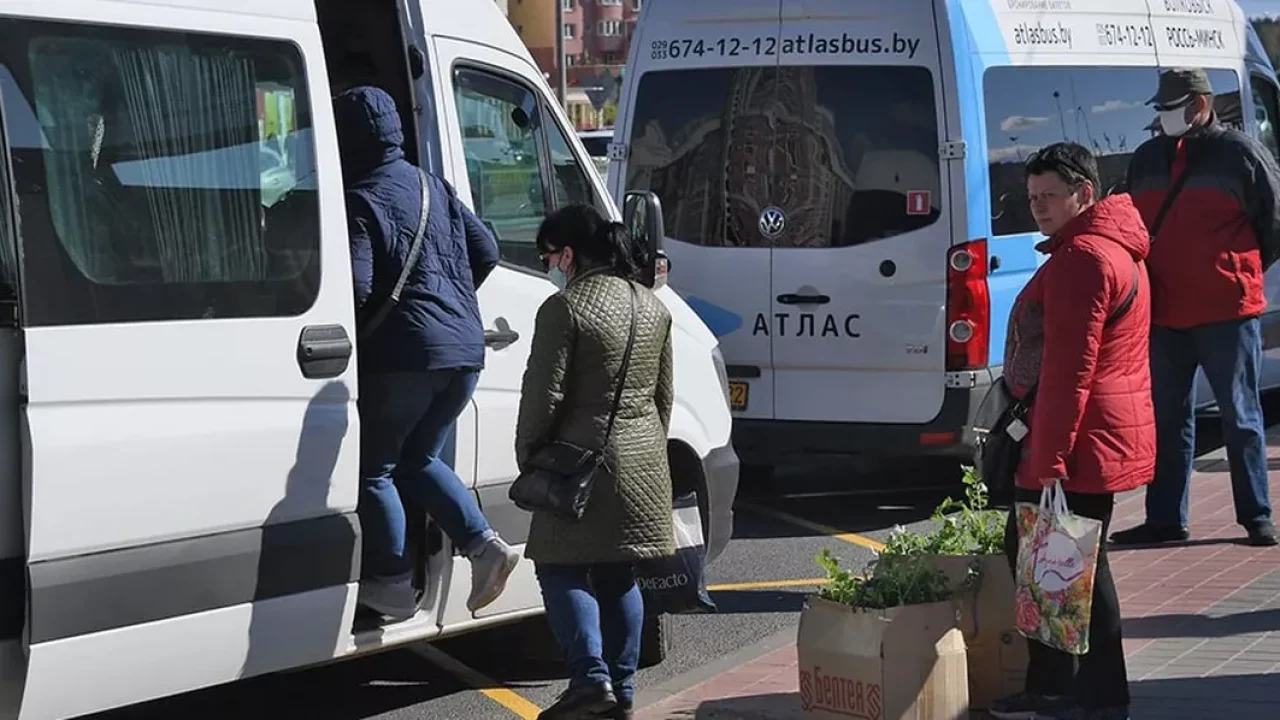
(597, 37)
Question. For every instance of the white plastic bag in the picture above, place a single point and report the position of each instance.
(1057, 557)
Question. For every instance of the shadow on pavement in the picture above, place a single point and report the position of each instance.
(746, 602)
(750, 707)
(1200, 626)
(1197, 698)
(346, 691)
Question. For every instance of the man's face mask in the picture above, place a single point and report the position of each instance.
(1174, 120)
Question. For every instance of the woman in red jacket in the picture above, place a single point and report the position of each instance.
(1078, 335)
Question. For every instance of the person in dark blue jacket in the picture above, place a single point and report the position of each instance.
(419, 366)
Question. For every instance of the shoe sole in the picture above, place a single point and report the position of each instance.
(498, 582)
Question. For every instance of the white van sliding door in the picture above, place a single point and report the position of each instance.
(188, 425)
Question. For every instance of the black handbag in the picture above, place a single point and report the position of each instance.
(559, 476)
(999, 448)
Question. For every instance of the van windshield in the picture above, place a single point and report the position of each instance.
(850, 154)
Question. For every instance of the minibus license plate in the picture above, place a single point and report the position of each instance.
(738, 396)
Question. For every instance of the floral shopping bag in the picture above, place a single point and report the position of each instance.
(1057, 556)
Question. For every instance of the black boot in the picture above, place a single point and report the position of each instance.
(592, 700)
(624, 710)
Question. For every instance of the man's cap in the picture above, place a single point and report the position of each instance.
(1177, 85)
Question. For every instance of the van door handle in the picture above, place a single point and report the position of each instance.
(323, 351)
(502, 338)
(793, 299)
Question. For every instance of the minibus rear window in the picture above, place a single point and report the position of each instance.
(850, 154)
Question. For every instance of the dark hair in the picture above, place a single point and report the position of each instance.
(596, 241)
(1073, 162)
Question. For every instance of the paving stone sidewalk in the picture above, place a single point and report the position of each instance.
(1201, 623)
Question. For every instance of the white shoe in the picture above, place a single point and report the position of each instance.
(394, 598)
(490, 569)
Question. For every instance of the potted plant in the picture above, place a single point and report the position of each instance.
(883, 644)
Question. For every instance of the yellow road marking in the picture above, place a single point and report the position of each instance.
(827, 530)
(487, 686)
(767, 585)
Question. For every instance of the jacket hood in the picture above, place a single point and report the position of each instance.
(369, 131)
(1114, 218)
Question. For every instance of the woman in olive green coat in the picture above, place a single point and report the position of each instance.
(585, 568)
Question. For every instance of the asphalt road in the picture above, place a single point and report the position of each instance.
(758, 599)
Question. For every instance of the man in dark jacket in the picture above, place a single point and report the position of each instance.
(419, 366)
(1210, 245)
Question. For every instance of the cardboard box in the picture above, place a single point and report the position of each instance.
(904, 663)
(997, 653)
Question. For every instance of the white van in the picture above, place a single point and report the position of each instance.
(178, 425)
(842, 185)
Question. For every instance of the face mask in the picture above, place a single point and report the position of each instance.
(1174, 122)
(558, 278)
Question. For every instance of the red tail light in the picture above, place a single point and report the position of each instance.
(968, 307)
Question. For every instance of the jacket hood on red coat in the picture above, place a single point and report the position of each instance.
(1114, 218)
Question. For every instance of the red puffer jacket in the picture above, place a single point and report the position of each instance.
(1092, 421)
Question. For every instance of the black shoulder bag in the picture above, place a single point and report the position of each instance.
(559, 475)
(369, 326)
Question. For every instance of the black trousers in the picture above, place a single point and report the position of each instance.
(1098, 678)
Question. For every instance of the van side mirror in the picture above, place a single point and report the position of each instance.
(642, 214)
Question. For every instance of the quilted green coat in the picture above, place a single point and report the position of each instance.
(578, 343)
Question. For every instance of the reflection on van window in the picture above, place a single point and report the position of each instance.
(499, 120)
(162, 175)
(1266, 112)
(1102, 108)
(849, 154)
(504, 133)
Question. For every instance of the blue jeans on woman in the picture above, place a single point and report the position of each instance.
(596, 614)
(405, 419)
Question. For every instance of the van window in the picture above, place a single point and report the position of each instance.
(1267, 112)
(841, 149)
(513, 149)
(160, 175)
(1102, 108)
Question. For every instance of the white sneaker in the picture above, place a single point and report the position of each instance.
(394, 598)
(490, 569)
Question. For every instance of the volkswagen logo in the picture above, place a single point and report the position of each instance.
(772, 222)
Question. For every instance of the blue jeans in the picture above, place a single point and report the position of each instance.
(1231, 355)
(405, 419)
(596, 614)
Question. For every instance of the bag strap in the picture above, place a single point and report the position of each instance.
(415, 250)
(626, 366)
(1120, 310)
(1169, 197)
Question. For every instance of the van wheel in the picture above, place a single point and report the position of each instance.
(655, 639)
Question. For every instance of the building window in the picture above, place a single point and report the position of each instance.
(610, 58)
(161, 175)
(568, 5)
(570, 31)
(611, 28)
(635, 4)
(610, 2)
